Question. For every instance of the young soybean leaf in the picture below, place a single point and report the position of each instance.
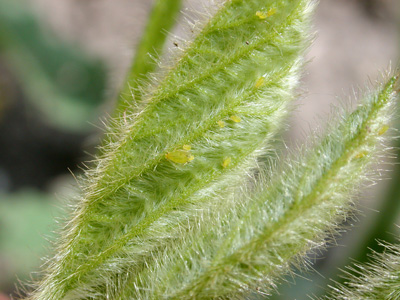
(135, 202)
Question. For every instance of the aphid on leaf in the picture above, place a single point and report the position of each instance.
(260, 81)
(361, 154)
(235, 119)
(186, 147)
(179, 156)
(221, 124)
(226, 162)
(261, 15)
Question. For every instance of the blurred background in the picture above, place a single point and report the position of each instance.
(62, 65)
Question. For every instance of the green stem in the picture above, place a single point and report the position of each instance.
(161, 20)
(381, 229)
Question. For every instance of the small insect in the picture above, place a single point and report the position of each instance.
(226, 162)
(235, 119)
(247, 43)
(260, 81)
(221, 123)
(361, 154)
(261, 15)
(176, 44)
(186, 147)
(383, 129)
(179, 156)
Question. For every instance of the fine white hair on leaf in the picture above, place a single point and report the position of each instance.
(377, 279)
(270, 224)
(162, 214)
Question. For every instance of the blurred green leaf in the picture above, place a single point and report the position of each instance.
(26, 220)
(62, 82)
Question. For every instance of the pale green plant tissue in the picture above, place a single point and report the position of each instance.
(180, 205)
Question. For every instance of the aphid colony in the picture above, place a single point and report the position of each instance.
(184, 155)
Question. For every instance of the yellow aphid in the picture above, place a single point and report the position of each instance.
(383, 129)
(271, 12)
(186, 147)
(262, 15)
(235, 119)
(221, 124)
(179, 156)
(226, 162)
(361, 154)
(260, 81)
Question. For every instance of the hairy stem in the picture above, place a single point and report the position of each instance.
(377, 279)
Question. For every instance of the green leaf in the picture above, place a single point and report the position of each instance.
(26, 219)
(60, 80)
(195, 135)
